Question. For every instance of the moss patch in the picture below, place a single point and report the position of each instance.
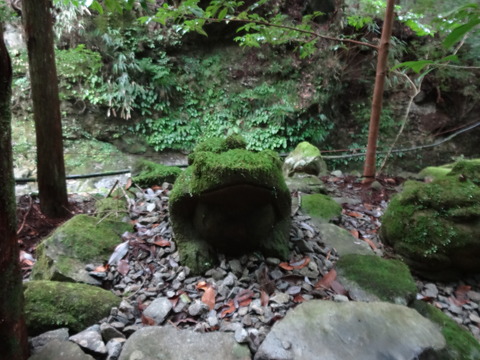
(111, 209)
(50, 305)
(320, 206)
(436, 171)
(150, 173)
(460, 342)
(387, 279)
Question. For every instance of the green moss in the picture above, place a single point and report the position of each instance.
(435, 171)
(218, 145)
(423, 217)
(150, 173)
(306, 150)
(111, 209)
(387, 279)
(469, 169)
(320, 206)
(460, 342)
(83, 236)
(50, 305)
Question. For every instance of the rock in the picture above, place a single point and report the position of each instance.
(369, 277)
(148, 173)
(79, 241)
(91, 340)
(172, 344)
(158, 310)
(320, 207)
(114, 348)
(51, 304)
(60, 350)
(430, 290)
(306, 158)
(460, 342)
(341, 331)
(340, 239)
(38, 342)
(305, 183)
(109, 332)
(232, 201)
(436, 226)
(111, 208)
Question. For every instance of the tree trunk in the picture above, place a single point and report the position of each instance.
(46, 107)
(13, 333)
(370, 159)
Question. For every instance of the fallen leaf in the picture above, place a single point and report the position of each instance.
(285, 266)
(202, 285)
(338, 288)
(298, 299)
(119, 252)
(355, 233)
(352, 213)
(371, 243)
(147, 320)
(461, 294)
(123, 267)
(326, 281)
(301, 263)
(129, 183)
(243, 298)
(208, 297)
(101, 268)
(162, 243)
(230, 308)
(264, 298)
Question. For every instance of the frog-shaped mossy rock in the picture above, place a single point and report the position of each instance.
(231, 201)
(435, 226)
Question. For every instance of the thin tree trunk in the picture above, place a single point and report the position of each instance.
(370, 159)
(46, 107)
(13, 333)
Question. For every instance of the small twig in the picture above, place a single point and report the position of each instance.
(25, 217)
(113, 188)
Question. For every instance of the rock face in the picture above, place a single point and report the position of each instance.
(307, 159)
(50, 305)
(351, 330)
(169, 343)
(436, 226)
(230, 200)
(57, 349)
(367, 275)
(80, 241)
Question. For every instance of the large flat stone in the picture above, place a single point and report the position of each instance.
(168, 343)
(340, 239)
(325, 330)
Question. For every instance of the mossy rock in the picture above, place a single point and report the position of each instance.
(306, 158)
(460, 342)
(436, 226)
(230, 200)
(51, 305)
(151, 173)
(81, 240)
(111, 209)
(388, 280)
(321, 206)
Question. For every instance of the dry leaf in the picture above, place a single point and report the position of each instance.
(202, 285)
(230, 308)
(353, 213)
(147, 320)
(162, 243)
(285, 266)
(298, 299)
(243, 298)
(371, 243)
(101, 268)
(338, 288)
(327, 280)
(129, 183)
(208, 297)
(301, 263)
(461, 294)
(123, 267)
(355, 233)
(264, 298)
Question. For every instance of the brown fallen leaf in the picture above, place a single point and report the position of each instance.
(147, 320)
(370, 243)
(243, 298)
(461, 294)
(355, 233)
(285, 266)
(301, 263)
(298, 299)
(229, 309)
(338, 288)
(327, 280)
(264, 298)
(202, 285)
(208, 297)
(123, 267)
(162, 243)
(101, 268)
(352, 213)
(129, 183)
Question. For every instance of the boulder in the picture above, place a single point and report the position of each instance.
(307, 159)
(321, 207)
(168, 343)
(60, 350)
(230, 200)
(435, 226)
(341, 240)
(369, 277)
(149, 173)
(318, 330)
(51, 305)
(79, 241)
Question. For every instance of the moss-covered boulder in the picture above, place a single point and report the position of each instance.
(306, 158)
(321, 206)
(436, 226)
(51, 305)
(79, 241)
(230, 200)
(149, 173)
(386, 280)
(460, 342)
